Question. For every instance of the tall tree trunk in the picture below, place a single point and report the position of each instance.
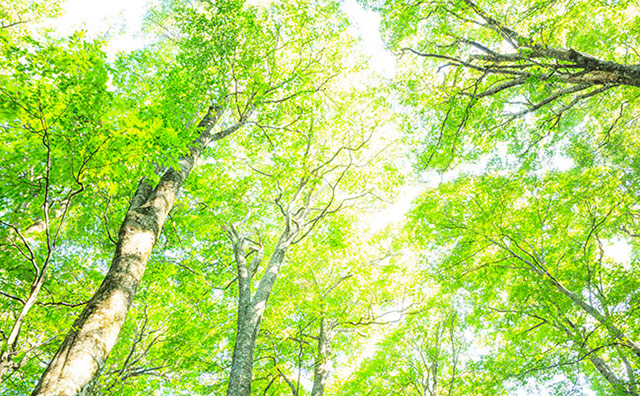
(94, 333)
(321, 369)
(242, 361)
(250, 312)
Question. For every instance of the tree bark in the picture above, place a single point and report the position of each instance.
(94, 333)
(9, 350)
(609, 375)
(585, 68)
(604, 320)
(321, 369)
(243, 350)
(250, 313)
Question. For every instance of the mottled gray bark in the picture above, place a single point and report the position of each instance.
(595, 71)
(94, 333)
(298, 223)
(251, 310)
(609, 375)
(602, 319)
(242, 361)
(321, 368)
(575, 334)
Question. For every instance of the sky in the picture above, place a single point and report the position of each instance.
(120, 19)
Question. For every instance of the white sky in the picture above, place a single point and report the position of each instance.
(618, 250)
(120, 19)
(366, 25)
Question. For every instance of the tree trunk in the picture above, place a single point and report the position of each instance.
(250, 313)
(9, 349)
(321, 369)
(599, 363)
(602, 319)
(609, 375)
(94, 333)
(242, 361)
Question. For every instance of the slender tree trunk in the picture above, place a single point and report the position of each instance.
(243, 350)
(9, 350)
(11, 345)
(250, 313)
(247, 328)
(609, 375)
(94, 333)
(603, 368)
(602, 319)
(321, 369)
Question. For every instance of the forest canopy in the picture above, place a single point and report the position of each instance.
(289, 198)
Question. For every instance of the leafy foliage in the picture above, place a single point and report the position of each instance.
(514, 270)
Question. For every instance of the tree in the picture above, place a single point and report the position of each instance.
(311, 185)
(519, 87)
(331, 303)
(533, 65)
(261, 79)
(532, 249)
(56, 110)
(423, 356)
(235, 160)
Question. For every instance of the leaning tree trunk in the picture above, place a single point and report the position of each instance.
(619, 386)
(94, 333)
(604, 320)
(590, 309)
(10, 348)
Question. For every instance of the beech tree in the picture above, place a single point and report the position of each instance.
(58, 114)
(543, 69)
(421, 357)
(305, 206)
(310, 177)
(520, 90)
(338, 297)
